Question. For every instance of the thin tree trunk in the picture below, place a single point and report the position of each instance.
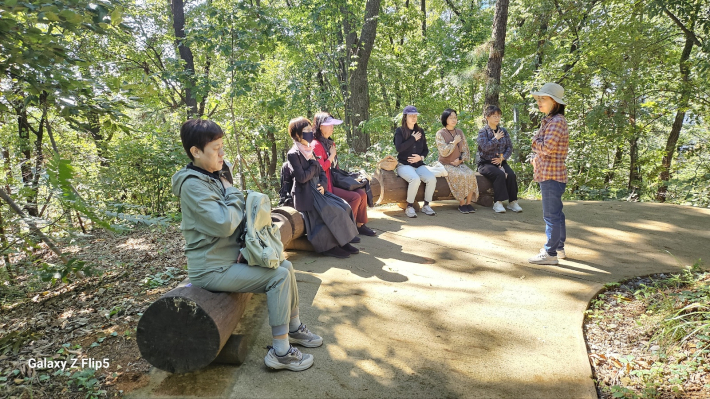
(672, 141)
(618, 155)
(495, 59)
(424, 18)
(178, 10)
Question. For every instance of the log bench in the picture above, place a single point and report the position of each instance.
(388, 188)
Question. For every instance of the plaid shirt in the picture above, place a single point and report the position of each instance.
(489, 147)
(551, 144)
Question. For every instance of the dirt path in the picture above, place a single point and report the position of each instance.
(447, 306)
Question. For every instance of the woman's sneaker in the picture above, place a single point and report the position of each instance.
(293, 360)
(366, 231)
(355, 240)
(410, 212)
(543, 258)
(337, 252)
(513, 206)
(463, 209)
(560, 253)
(498, 207)
(350, 249)
(471, 209)
(304, 337)
(427, 209)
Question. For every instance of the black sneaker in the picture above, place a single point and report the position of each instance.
(355, 240)
(337, 252)
(366, 231)
(471, 209)
(350, 249)
(463, 208)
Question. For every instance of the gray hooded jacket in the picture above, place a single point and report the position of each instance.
(211, 221)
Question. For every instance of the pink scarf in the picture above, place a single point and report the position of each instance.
(306, 151)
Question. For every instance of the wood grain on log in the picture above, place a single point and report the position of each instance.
(298, 228)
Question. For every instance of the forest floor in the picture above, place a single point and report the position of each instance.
(352, 303)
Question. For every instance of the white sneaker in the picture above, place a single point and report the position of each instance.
(543, 258)
(498, 207)
(513, 206)
(410, 212)
(293, 360)
(560, 253)
(427, 209)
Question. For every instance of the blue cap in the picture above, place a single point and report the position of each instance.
(410, 110)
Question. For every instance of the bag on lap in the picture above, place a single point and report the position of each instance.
(347, 181)
(437, 169)
(261, 238)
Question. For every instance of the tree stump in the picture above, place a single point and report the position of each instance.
(187, 328)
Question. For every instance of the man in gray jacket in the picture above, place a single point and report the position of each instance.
(212, 214)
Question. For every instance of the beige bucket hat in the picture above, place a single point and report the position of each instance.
(553, 90)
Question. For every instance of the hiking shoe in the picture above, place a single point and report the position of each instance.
(498, 207)
(560, 253)
(337, 252)
(513, 206)
(463, 209)
(304, 337)
(350, 249)
(543, 258)
(471, 209)
(410, 212)
(293, 360)
(355, 240)
(366, 231)
(427, 209)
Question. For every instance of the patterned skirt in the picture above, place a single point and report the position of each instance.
(462, 182)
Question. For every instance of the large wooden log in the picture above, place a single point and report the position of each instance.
(186, 328)
(393, 189)
(298, 228)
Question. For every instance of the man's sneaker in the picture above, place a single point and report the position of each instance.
(427, 209)
(513, 206)
(304, 337)
(498, 207)
(410, 212)
(560, 253)
(350, 249)
(471, 209)
(543, 258)
(366, 231)
(463, 209)
(337, 252)
(355, 240)
(293, 360)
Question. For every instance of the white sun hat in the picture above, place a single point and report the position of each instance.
(552, 90)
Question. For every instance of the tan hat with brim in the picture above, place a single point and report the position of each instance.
(552, 90)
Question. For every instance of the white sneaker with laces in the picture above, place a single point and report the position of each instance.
(498, 207)
(293, 360)
(513, 206)
(410, 212)
(543, 258)
(560, 253)
(427, 209)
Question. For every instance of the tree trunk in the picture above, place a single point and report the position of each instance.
(357, 104)
(495, 59)
(99, 141)
(672, 141)
(634, 170)
(618, 155)
(178, 9)
(424, 18)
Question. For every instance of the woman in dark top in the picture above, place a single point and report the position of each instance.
(494, 148)
(330, 225)
(410, 142)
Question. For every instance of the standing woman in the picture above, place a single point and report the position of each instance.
(550, 145)
(453, 152)
(410, 142)
(330, 225)
(494, 148)
(324, 148)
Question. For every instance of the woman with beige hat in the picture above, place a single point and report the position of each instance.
(550, 146)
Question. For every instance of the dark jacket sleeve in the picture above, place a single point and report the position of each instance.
(425, 151)
(323, 179)
(299, 174)
(400, 144)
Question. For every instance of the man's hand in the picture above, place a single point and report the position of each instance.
(414, 158)
(417, 136)
(457, 139)
(320, 189)
(225, 182)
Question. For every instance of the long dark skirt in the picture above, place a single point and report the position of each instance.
(330, 223)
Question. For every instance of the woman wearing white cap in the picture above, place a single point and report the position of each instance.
(324, 148)
(550, 145)
(410, 142)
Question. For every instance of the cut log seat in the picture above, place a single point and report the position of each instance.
(388, 188)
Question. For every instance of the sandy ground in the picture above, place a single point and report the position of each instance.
(447, 306)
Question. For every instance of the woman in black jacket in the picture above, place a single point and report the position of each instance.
(330, 225)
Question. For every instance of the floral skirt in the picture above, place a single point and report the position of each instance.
(462, 182)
